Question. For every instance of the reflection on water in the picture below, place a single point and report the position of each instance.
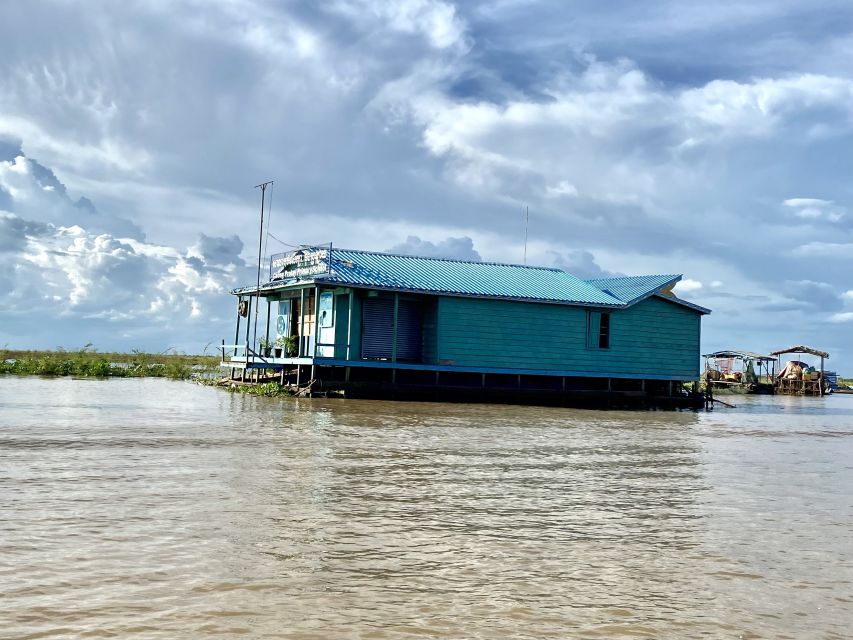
(163, 509)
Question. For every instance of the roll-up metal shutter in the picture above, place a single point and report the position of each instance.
(409, 330)
(378, 329)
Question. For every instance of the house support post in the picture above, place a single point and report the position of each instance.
(316, 328)
(301, 351)
(349, 328)
(394, 332)
(237, 331)
(248, 326)
(820, 382)
(269, 311)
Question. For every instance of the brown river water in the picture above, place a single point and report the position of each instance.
(159, 509)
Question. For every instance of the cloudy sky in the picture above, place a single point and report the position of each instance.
(713, 139)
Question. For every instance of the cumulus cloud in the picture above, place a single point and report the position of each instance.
(437, 21)
(820, 249)
(759, 107)
(687, 285)
(845, 316)
(817, 295)
(33, 191)
(669, 151)
(453, 248)
(564, 188)
(579, 262)
(493, 145)
(15, 231)
(83, 280)
(814, 209)
(82, 277)
(89, 274)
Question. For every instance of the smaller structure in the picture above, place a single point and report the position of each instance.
(798, 378)
(739, 372)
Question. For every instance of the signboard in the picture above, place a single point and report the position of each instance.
(309, 261)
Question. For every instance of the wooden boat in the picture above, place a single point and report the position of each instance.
(798, 378)
(740, 372)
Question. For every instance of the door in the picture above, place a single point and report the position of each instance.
(326, 325)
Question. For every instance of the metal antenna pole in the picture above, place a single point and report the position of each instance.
(526, 221)
(263, 187)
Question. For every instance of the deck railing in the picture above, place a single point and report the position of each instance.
(247, 351)
(250, 355)
(334, 345)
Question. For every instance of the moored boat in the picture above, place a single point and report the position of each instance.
(739, 372)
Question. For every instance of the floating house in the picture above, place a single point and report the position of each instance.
(374, 324)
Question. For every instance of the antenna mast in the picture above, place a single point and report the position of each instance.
(263, 187)
(526, 222)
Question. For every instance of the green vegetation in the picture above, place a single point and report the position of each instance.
(87, 362)
(288, 344)
(267, 389)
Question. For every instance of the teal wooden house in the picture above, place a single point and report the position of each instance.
(367, 324)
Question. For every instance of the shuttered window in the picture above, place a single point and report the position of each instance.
(597, 330)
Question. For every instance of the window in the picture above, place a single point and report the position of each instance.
(604, 331)
(597, 330)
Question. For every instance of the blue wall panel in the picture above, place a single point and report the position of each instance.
(654, 337)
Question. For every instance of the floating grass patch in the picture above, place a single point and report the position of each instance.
(89, 363)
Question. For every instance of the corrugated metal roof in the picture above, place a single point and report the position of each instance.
(630, 289)
(487, 279)
(690, 305)
(376, 270)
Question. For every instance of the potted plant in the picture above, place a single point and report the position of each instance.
(280, 343)
(291, 345)
(265, 347)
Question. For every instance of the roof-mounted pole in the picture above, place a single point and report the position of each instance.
(526, 222)
(263, 187)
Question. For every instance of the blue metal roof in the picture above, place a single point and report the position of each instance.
(486, 279)
(632, 289)
(374, 270)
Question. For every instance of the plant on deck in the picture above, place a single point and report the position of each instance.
(288, 344)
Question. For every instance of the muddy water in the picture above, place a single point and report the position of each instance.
(158, 509)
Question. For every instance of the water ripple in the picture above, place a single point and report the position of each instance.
(157, 509)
